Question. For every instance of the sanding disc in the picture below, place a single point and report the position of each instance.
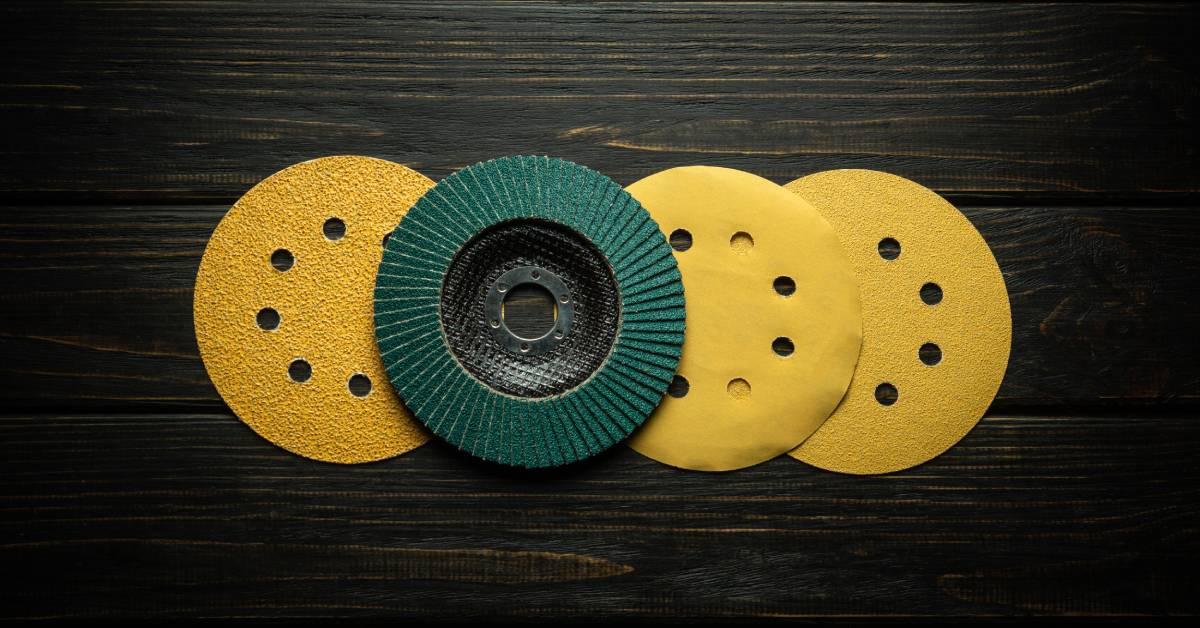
(492, 385)
(773, 324)
(283, 308)
(936, 323)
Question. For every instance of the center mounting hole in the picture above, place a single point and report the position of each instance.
(529, 311)
(783, 346)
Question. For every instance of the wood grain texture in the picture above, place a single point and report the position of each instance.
(96, 307)
(1067, 133)
(196, 515)
(156, 101)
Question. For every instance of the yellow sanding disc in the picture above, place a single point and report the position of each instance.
(936, 323)
(284, 308)
(773, 323)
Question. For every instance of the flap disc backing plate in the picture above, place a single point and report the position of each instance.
(283, 305)
(936, 323)
(773, 323)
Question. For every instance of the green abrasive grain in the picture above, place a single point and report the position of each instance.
(453, 402)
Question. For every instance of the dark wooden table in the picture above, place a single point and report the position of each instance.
(1068, 134)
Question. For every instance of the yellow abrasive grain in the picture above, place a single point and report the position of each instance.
(936, 323)
(773, 325)
(288, 280)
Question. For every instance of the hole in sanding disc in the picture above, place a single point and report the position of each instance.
(529, 311)
(680, 239)
(678, 387)
(931, 293)
(784, 286)
(886, 394)
(359, 385)
(334, 229)
(282, 260)
(889, 249)
(930, 354)
(300, 370)
(268, 319)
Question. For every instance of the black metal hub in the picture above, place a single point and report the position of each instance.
(505, 356)
(493, 308)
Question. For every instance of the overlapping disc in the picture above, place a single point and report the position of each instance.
(936, 323)
(773, 322)
(495, 385)
(283, 306)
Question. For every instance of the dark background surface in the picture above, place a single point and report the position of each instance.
(1067, 134)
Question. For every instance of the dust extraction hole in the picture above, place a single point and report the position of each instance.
(529, 311)
(678, 387)
(738, 389)
(359, 385)
(783, 346)
(785, 286)
(889, 249)
(886, 394)
(282, 260)
(680, 239)
(741, 242)
(300, 370)
(267, 319)
(334, 229)
(931, 293)
(930, 354)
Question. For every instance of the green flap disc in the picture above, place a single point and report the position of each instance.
(500, 379)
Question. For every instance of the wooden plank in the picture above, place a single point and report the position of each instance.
(172, 101)
(96, 306)
(196, 515)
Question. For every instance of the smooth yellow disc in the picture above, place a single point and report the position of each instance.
(773, 323)
(322, 303)
(964, 324)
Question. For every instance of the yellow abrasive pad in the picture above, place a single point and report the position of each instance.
(773, 323)
(284, 308)
(936, 323)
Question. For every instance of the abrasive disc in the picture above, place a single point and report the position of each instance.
(773, 324)
(936, 323)
(494, 385)
(283, 308)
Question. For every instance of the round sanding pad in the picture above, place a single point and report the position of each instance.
(773, 323)
(495, 385)
(936, 323)
(283, 308)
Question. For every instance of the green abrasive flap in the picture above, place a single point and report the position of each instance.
(498, 386)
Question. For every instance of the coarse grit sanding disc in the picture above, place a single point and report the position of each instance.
(773, 323)
(283, 308)
(496, 388)
(936, 323)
